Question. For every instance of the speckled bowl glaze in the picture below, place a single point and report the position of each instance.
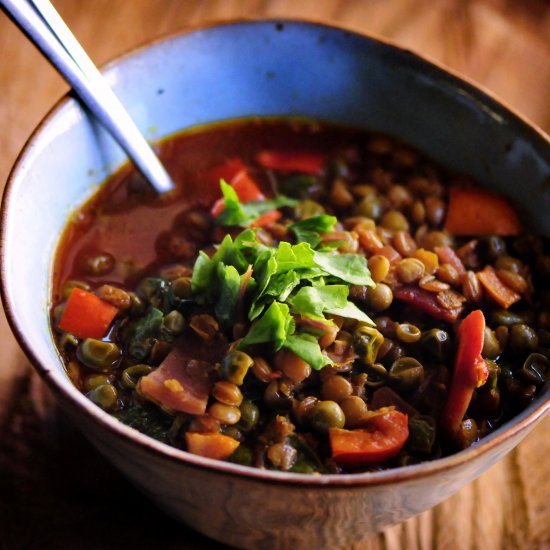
(263, 68)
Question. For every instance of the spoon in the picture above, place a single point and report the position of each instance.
(39, 20)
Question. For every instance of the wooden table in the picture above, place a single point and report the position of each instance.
(55, 490)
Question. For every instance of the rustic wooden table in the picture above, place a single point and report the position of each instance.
(55, 490)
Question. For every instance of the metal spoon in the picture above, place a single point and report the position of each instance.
(39, 20)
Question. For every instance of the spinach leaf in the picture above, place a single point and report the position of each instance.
(311, 229)
(350, 311)
(307, 348)
(351, 268)
(230, 285)
(312, 301)
(273, 327)
(243, 214)
(298, 256)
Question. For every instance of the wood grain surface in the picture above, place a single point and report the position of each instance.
(55, 490)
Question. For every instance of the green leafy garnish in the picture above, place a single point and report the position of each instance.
(312, 301)
(230, 284)
(274, 327)
(307, 348)
(243, 214)
(282, 281)
(351, 268)
(310, 230)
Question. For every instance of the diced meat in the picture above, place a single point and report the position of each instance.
(426, 302)
(183, 380)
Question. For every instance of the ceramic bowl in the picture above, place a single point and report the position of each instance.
(263, 68)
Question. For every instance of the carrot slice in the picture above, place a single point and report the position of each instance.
(266, 219)
(480, 212)
(285, 161)
(502, 294)
(216, 446)
(381, 439)
(226, 171)
(246, 188)
(86, 315)
(235, 173)
(470, 371)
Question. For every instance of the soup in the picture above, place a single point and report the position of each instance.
(311, 299)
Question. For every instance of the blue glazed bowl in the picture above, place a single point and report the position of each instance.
(237, 70)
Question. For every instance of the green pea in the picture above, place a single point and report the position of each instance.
(242, 455)
(174, 322)
(70, 284)
(154, 290)
(68, 341)
(325, 415)
(131, 375)
(101, 264)
(367, 342)
(467, 433)
(493, 247)
(57, 313)
(408, 333)
(250, 414)
(369, 207)
(406, 373)
(377, 375)
(395, 221)
(233, 432)
(488, 402)
(94, 380)
(235, 365)
(503, 317)
(140, 349)
(422, 432)
(523, 339)
(181, 288)
(491, 345)
(105, 396)
(535, 368)
(379, 297)
(97, 354)
(437, 342)
(137, 305)
(307, 209)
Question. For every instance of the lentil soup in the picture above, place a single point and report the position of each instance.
(311, 299)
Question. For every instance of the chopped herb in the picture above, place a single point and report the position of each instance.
(311, 229)
(243, 214)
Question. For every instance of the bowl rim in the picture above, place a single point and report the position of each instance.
(70, 396)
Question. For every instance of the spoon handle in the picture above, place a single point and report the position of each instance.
(39, 20)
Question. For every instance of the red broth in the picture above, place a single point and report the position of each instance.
(401, 337)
